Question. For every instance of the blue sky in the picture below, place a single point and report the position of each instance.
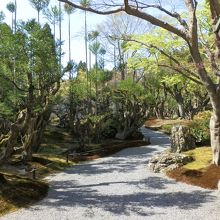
(26, 12)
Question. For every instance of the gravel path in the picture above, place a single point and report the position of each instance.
(122, 187)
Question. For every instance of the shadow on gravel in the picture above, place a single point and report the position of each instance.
(69, 194)
(122, 162)
(120, 197)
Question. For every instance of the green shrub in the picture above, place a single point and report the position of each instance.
(200, 126)
(109, 129)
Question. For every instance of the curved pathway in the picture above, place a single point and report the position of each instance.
(122, 187)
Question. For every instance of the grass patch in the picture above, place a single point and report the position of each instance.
(200, 172)
(165, 125)
(18, 192)
(166, 128)
(158, 123)
(54, 148)
(54, 162)
(202, 158)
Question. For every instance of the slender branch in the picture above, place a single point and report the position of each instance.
(181, 72)
(155, 21)
(13, 83)
(92, 9)
(165, 54)
(159, 7)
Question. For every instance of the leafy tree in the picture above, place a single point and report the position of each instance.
(86, 4)
(69, 10)
(38, 82)
(188, 95)
(53, 16)
(130, 112)
(39, 5)
(11, 7)
(15, 20)
(2, 16)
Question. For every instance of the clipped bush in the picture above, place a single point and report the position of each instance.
(200, 126)
(109, 129)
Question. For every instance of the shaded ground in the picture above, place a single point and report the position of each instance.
(207, 178)
(16, 192)
(122, 187)
(19, 190)
(108, 149)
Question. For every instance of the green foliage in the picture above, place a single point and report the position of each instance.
(109, 128)
(30, 50)
(131, 103)
(130, 87)
(68, 8)
(200, 126)
(11, 7)
(39, 4)
(53, 14)
(78, 90)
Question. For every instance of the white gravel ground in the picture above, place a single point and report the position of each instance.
(122, 187)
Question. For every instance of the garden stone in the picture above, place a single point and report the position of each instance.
(166, 161)
(181, 139)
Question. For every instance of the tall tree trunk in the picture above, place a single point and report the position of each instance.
(86, 53)
(29, 136)
(181, 110)
(60, 33)
(215, 129)
(69, 30)
(215, 137)
(41, 125)
(15, 27)
(34, 133)
(38, 16)
(12, 22)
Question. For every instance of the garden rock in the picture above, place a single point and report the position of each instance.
(181, 139)
(168, 161)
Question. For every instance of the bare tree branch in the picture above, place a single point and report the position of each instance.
(155, 21)
(159, 7)
(121, 8)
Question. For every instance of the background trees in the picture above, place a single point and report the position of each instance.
(11, 7)
(39, 79)
(188, 30)
(39, 5)
(171, 62)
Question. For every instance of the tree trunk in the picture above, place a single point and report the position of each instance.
(41, 125)
(215, 137)
(38, 16)
(29, 137)
(181, 110)
(9, 141)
